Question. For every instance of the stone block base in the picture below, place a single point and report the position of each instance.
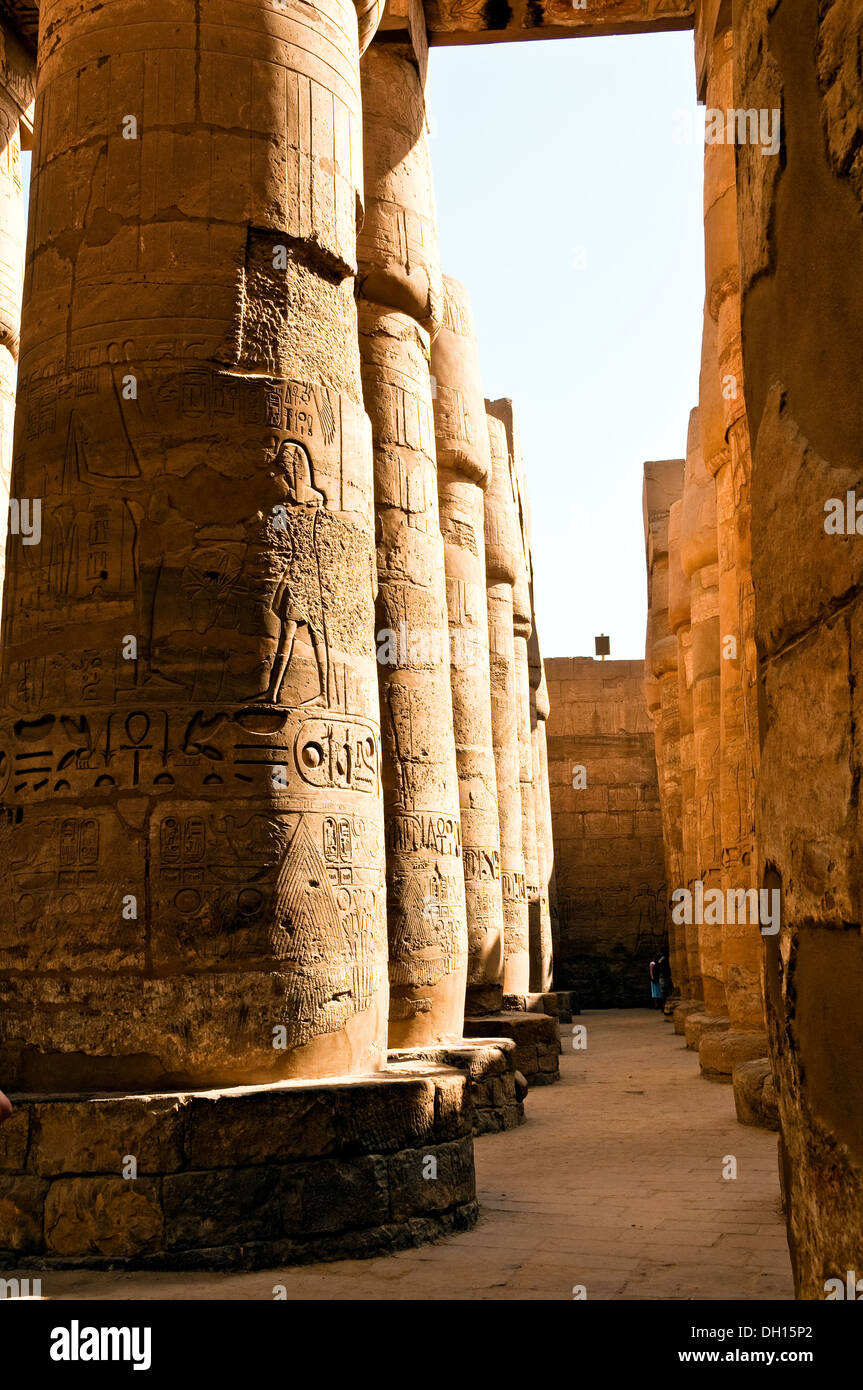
(532, 1004)
(755, 1094)
(682, 1012)
(536, 1038)
(720, 1052)
(699, 1023)
(484, 999)
(497, 1088)
(567, 1005)
(246, 1178)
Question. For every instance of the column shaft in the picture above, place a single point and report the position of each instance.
(196, 860)
(464, 470)
(401, 298)
(501, 555)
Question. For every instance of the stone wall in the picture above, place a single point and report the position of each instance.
(607, 832)
(801, 249)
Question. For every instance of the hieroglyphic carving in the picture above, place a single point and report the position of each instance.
(144, 749)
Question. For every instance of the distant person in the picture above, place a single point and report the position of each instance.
(663, 970)
(655, 984)
(5, 1107)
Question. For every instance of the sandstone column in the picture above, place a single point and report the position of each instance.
(663, 484)
(699, 560)
(653, 691)
(17, 82)
(195, 861)
(522, 628)
(545, 839)
(502, 548)
(728, 456)
(528, 675)
(464, 470)
(400, 306)
(541, 806)
(679, 621)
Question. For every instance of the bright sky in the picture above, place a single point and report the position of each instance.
(570, 204)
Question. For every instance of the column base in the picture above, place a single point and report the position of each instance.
(755, 1094)
(536, 1037)
(720, 1052)
(497, 1087)
(537, 1003)
(702, 1022)
(682, 1012)
(483, 999)
(246, 1178)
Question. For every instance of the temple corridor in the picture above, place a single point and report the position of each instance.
(614, 1182)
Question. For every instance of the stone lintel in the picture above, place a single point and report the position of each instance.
(17, 71)
(459, 22)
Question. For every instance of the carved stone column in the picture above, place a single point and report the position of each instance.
(663, 485)
(542, 809)
(194, 896)
(17, 84)
(699, 559)
(502, 548)
(195, 891)
(679, 621)
(729, 458)
(400, 307)
(544, 837)
(522, 627)
(464, 470)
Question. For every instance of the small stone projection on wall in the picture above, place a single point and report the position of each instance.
(607, 830)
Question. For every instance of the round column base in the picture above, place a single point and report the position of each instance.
(247, 1178)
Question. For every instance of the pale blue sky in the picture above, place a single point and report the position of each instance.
(538, 149)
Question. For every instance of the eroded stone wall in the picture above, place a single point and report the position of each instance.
(800, 225)
(608, 847)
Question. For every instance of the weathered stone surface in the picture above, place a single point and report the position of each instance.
(698, 1023)
(503, 551)
(401, 303)
(683, 1011)
(728, 457)
(335, 1196)
(536, 1038)
(14, 1135)
(464, 473)
(72, 1137)
(204, 464)
(542, 977)
(453, 23)
(608, 844)
(663, 486)
(281, 1174)
(755, 1094)
(802, 344)
(720, 1052)
(104, 1216)
(699, 558)
(412, 1190)
(203, 1209)
(19, 521)
(22, 1203)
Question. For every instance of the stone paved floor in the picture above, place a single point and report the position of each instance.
(614, 1183)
